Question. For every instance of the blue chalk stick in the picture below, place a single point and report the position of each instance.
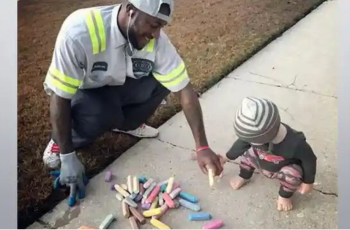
(188, 197)
(142, 179)
(163, 188)
(199, 216)
(189, 205)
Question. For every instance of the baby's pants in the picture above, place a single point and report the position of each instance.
(289, 176)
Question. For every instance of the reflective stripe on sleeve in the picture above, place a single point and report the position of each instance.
(96, 30)
(63, 82)
(174, 78)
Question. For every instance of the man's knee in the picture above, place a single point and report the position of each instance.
(92, 116)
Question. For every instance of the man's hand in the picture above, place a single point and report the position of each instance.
(73, 175)
(208, 159)
(305, 188)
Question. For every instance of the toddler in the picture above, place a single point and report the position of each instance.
(272, 147)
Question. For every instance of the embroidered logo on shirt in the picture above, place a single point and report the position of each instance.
(99, 66)
(141, 67)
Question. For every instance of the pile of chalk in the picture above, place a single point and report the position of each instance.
(145, 199)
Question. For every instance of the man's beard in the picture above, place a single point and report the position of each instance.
(133, 39)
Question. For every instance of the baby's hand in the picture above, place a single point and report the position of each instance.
(305, 188)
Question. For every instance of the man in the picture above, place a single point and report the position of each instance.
(112, 67)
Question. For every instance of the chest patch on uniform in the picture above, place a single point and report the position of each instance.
(141, 67)
(99, 66)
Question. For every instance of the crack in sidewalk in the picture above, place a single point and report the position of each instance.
(174, 145)
(282, 86)
(326, 193)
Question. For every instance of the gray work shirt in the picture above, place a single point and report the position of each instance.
(90, 53)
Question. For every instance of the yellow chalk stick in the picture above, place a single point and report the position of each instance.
(136, 185)
(121, 190)
(152, 212)
(211, 177)
(169, 188)
(156, 223)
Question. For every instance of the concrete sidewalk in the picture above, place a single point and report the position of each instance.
(297, 72)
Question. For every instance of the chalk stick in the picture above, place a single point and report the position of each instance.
(199, 216)
(136, 184)
(216, 224)
(119, 196)
(142, 179)
(137, 215)
(107, 221)
(133, 223)
(130, 202)
(125, 209)
(211, 177)
(124, 186)
(163, 187)
(149, 190)
(108, 176)
(121, 190)
(160, 199)
(168, 200)
(111, 186)
(169, 187)
(160, 225)
(153, 195)
(164, 208)
(189, 205)
(175, 193)
(152, 212)
(138, 198)
(141, 189)
(133, 196)
(148, 183)
(146, 206)
(130, 184)
(188, 197)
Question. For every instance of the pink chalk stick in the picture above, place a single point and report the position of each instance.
(214, 224)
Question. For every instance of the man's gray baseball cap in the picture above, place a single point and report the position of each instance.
(152, 7)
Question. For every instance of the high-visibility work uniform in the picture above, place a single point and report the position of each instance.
(108, 88)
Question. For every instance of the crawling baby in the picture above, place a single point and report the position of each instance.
(273, 148)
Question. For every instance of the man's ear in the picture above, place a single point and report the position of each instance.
(130, 10)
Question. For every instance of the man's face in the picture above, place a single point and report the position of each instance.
(143, 28)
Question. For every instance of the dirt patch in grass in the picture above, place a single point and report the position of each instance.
(213, 37)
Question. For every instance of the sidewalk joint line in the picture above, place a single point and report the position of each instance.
(284, 87)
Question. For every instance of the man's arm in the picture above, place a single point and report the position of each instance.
(63, 79)
(170, 71)
(60, 114)
(193, 112)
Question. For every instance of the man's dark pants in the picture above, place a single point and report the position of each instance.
(125, 107)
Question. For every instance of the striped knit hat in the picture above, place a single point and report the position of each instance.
(257, 120)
